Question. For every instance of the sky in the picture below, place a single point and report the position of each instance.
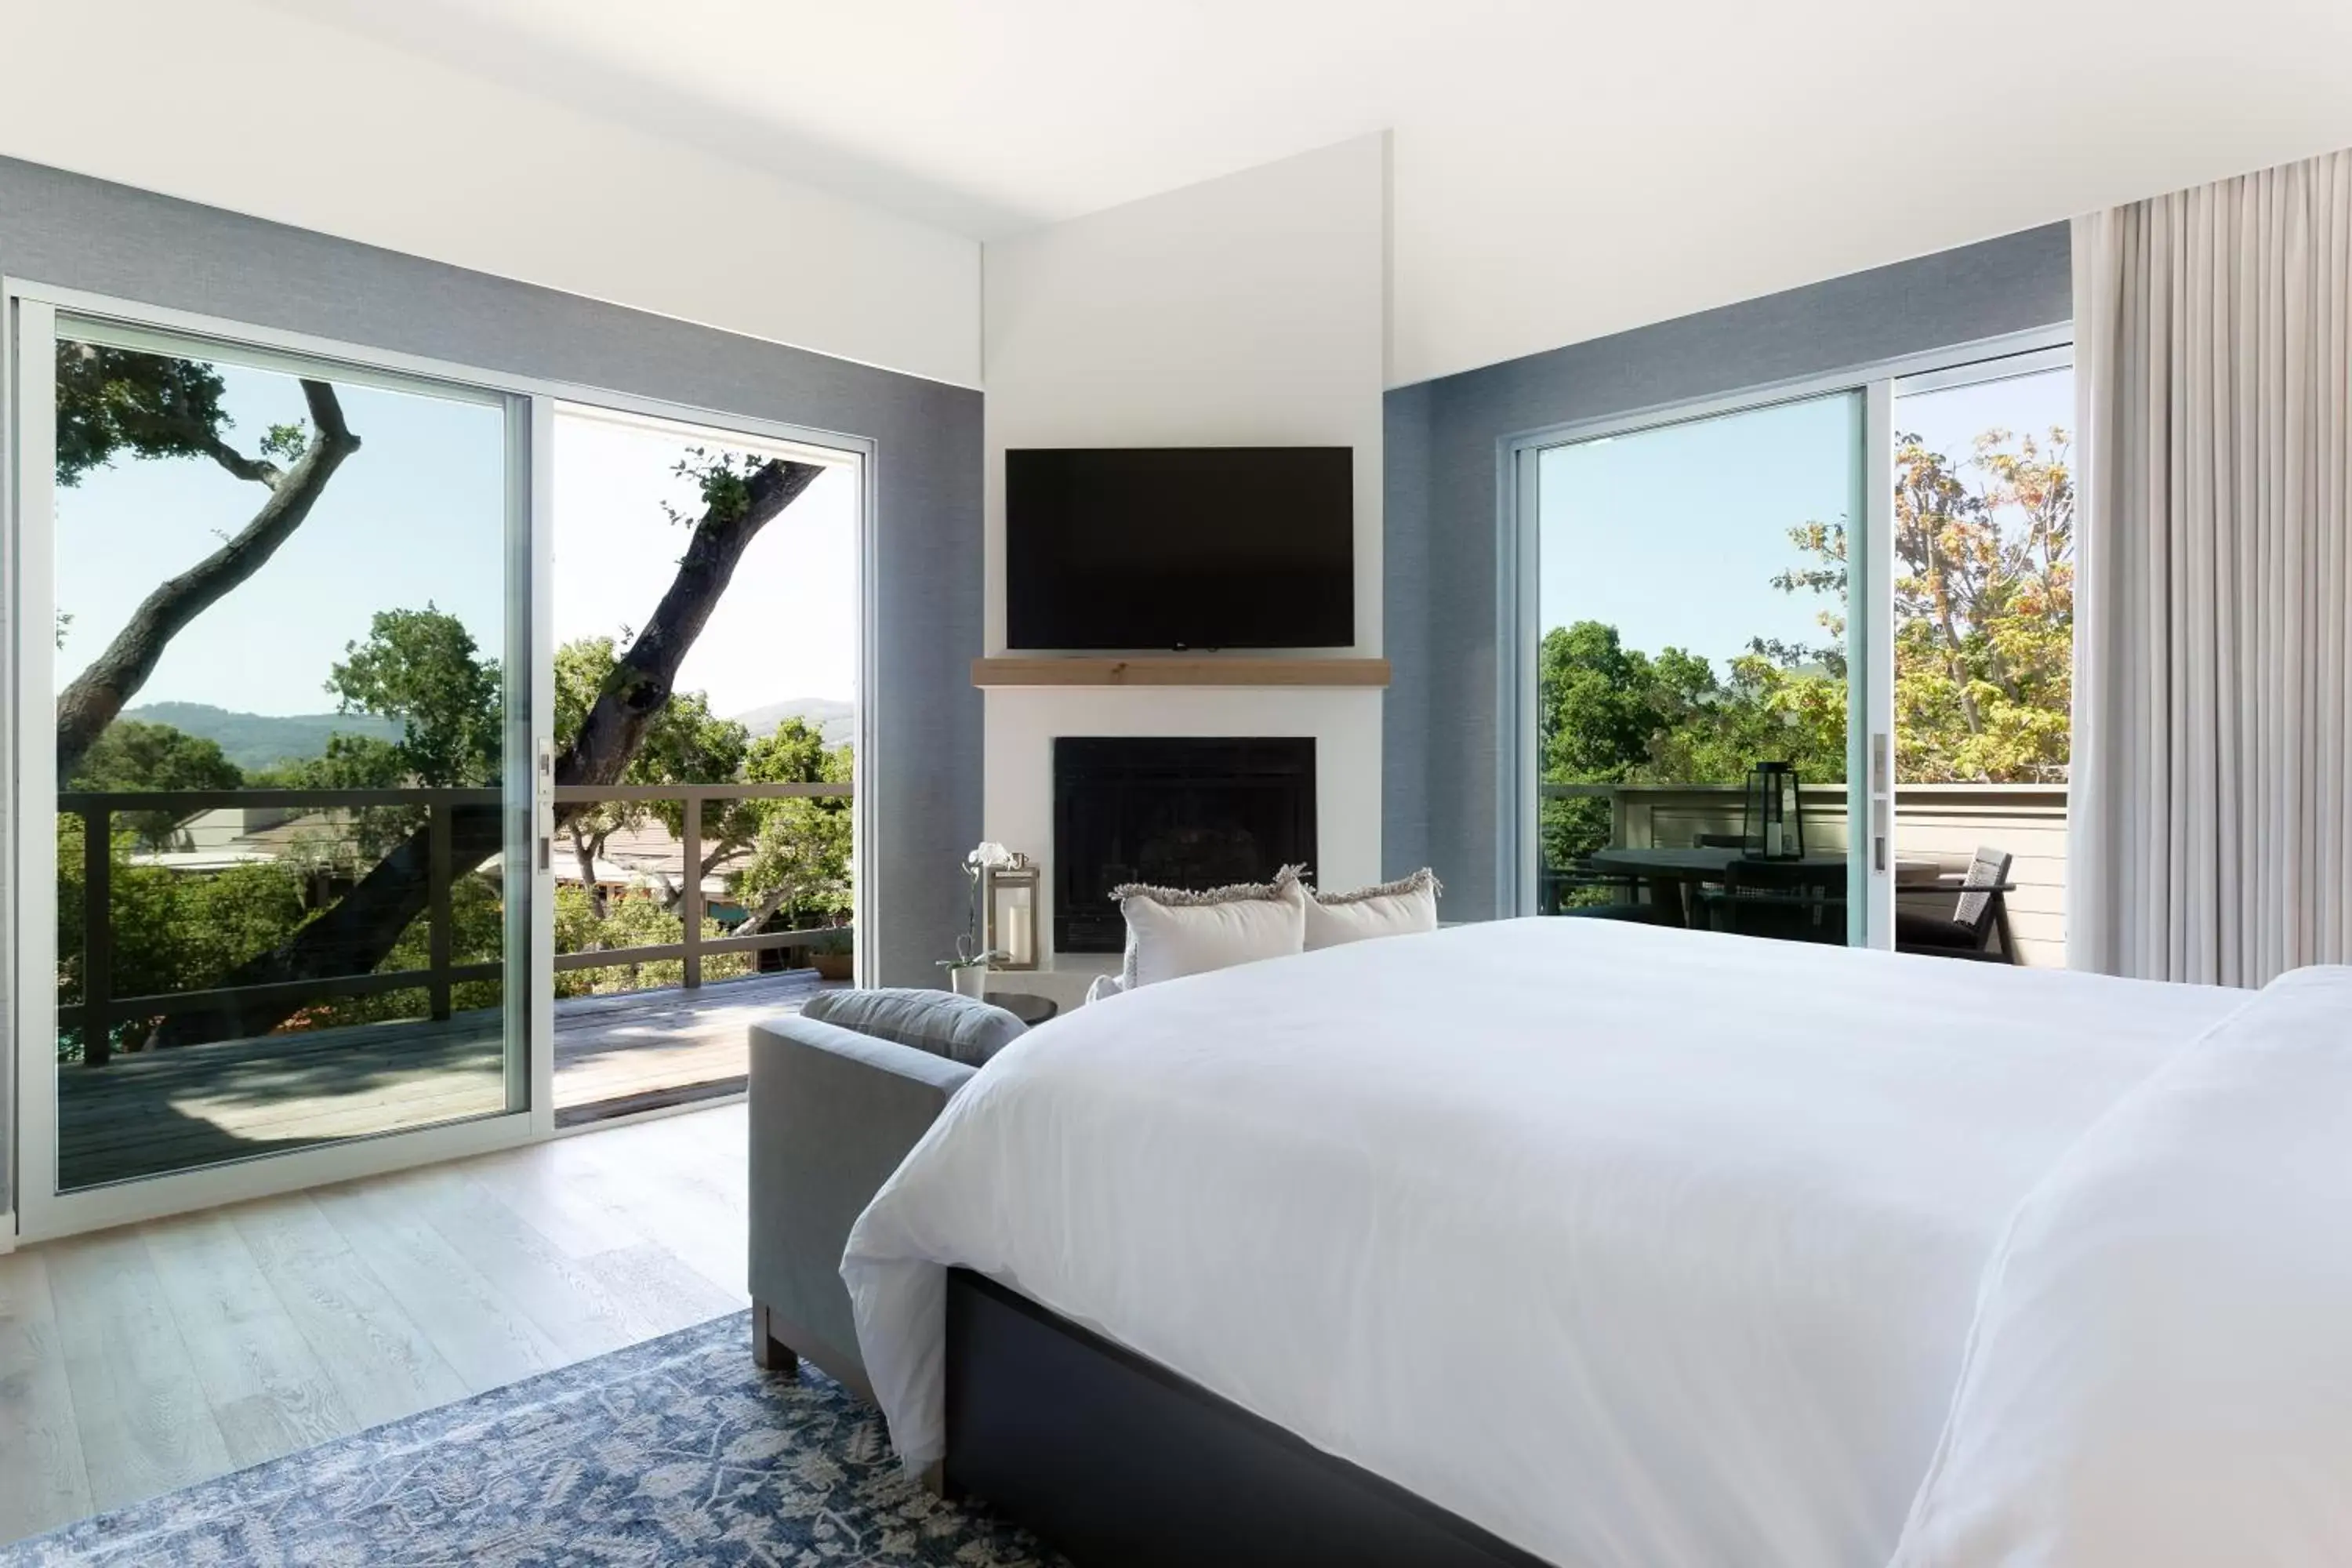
(787, 626)
(1672, 535)
(417, 516)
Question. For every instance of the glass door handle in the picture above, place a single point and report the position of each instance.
(543, 803)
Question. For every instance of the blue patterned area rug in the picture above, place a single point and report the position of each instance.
(674, 1451)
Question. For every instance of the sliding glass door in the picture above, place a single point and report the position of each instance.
(403, 762)
(272, 760)
(712, 883)
(1857, 592)
(1692, 584)
(1983, 631)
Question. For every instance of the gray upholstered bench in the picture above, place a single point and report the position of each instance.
(838, 1095)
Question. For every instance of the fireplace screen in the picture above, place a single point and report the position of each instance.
(1176, 813)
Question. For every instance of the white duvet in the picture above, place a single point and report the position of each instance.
(1633, 1246)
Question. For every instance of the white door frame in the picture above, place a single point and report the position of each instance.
(28, 311)
(1871, 800)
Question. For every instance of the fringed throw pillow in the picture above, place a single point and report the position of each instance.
(1173, 931)
(1393, 908)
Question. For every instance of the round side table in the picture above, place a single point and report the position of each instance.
(1030, 1009)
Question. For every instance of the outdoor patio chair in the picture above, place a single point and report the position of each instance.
(1567, 890)
(1978, 927)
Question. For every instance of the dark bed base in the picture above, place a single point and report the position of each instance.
(1121, 1464)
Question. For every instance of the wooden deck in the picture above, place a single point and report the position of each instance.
(144, 1114)
(633, 1051)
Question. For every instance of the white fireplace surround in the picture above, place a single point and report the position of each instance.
(1017, 806)
(1247, 311)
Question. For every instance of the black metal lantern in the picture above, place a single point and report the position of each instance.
(1771, 826)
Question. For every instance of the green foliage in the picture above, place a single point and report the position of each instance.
(799, 847)
(800, 859)
(348, 762)
(421, 669)
(581, 927)
(115, 400)
(795, 752)
(1984, 610)
(358, 836)
(1608, 714)
(424, 708)
(687, 743)
(1760, 711)
(690, 744)
(476, 935)
(792, 855)
(132, 755)
(1984, 649)
(193, 929)
(723, 480)
(287, 442)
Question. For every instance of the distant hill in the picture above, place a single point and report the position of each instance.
(257, 740)
(833, 719)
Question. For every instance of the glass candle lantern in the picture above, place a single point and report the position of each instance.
(1773, 826)
(1011, 902)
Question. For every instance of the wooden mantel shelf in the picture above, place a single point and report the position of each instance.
(1176, 669)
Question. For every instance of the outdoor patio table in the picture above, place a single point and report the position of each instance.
(1672, 871)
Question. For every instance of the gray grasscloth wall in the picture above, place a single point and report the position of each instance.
(1443, 731)
(73, 232)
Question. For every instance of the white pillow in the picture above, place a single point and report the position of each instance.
(1172, 932)
(2160, 1373)
(1391, 908)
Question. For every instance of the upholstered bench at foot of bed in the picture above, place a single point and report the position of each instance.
(832, 1114)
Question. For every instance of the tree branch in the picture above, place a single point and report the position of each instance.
(359, 932)
(634, 693)
(260, 470)
(767, 906)
(100, 692)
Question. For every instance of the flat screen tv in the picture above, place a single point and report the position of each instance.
(1180, 547)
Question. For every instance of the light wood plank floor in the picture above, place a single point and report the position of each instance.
(141, 1360)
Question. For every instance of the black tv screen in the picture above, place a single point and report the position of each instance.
(1180, 547)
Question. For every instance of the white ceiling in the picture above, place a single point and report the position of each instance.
(1562, 170)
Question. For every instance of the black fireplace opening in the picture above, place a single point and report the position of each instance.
(1175, 813)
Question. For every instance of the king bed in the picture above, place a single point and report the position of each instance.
(1541, 1241)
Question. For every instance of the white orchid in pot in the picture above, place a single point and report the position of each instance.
(968, 970)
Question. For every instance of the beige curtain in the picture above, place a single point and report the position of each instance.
(2212, 800)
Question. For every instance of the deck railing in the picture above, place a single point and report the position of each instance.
(694, 947)
(101, 1009)
(1940, 822)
